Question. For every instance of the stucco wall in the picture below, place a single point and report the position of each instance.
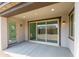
(65, 41)
(76, 23)
(64, 31)
(3, 33)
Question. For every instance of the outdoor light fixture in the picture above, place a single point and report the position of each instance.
(20, 25)
(52, 9)
(24, 16)
(64, 22)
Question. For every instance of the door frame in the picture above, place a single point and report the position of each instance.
(43, 20)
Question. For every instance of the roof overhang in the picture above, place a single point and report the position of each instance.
(24, 7)
(4, 6)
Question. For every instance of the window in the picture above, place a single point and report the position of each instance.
(41, 30)
(71, 26)
(32, 31)
(41, 27)
(52, 29)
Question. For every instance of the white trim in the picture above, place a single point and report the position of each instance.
(47, 25)
(46, 31)
(70, 26)
(58, 31)
(36, 31)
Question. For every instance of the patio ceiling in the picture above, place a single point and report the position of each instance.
(15, 8)
(53, 10)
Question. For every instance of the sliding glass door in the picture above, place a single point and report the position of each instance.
(32, 31)
(45, 31)
(52, 31)
(12, 32)
(41, 31)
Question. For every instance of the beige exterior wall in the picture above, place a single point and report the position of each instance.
(3, 33)
(65, 41)
(76, 23)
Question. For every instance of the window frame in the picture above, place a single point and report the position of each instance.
(70, 26)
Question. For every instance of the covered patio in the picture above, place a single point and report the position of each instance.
(53, 34)
(31, 49)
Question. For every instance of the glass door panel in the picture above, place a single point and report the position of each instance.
(52, 32)
(12, 32)
(41, 31)
(32, 31)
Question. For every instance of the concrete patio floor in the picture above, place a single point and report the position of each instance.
(2, 54)
(30, 49)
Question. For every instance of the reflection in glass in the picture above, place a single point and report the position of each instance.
(12, 31)
(44, 31)
(41, 31)
(52, 31)
(32, 31)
